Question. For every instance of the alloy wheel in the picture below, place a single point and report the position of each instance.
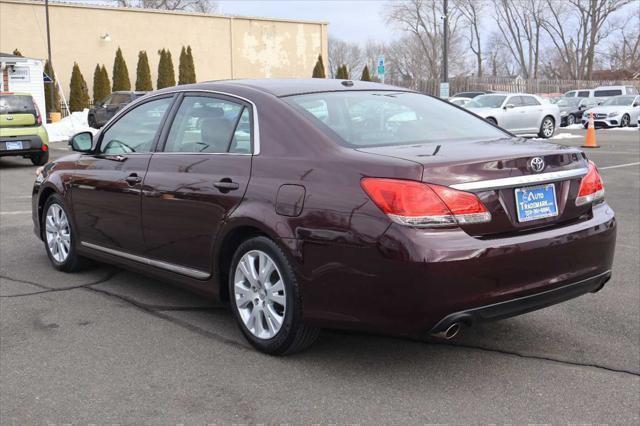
(625, 121)
(571, 120)
(58, 233)
(260, 294)
(547, 127)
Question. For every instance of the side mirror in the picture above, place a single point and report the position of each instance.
(635, 104)
(509, 106)
(82, 142)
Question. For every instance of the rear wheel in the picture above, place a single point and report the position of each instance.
(59, 236)
(40, 159)
(625, 121)
(547, 128)
(266, 300)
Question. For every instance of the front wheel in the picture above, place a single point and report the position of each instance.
(59, 236)
(266, 300)
(547, 128)
(40, 159)
(625, 121)
(492, 121)
(571, 119)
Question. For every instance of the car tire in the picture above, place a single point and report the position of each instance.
(55, 225)
(625, 121)
(91, 120)
(268, 314)
(547, 127)
(40, 159)
(492, 121)
(571, 120)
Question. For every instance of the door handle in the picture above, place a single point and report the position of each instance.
(226, 185)
(133, 178)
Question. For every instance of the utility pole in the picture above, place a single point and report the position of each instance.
(445, 41)
(52, 76)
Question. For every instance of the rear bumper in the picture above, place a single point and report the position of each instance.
(411, 280)
(31, 144)
(522, 305)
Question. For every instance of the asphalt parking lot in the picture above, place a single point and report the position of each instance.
(109, 346)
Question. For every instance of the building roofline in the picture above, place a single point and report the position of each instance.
(166, 12)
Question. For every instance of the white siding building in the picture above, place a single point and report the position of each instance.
(24, 75)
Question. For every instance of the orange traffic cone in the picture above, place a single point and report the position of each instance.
(590, 140)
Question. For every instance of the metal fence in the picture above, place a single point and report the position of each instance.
(507, 84)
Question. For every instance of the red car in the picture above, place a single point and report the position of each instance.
(325, 203)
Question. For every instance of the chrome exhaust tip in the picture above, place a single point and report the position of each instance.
(448, 333)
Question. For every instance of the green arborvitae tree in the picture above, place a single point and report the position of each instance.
(52, 104)
(365, 74)
(186, 67)
(143, 73)
(79, 93)
(191, 76)
(342, 73)
(105, 80)
(318, 70)
(16, 52)
(101, 84)
(120, 73)
(166, 73)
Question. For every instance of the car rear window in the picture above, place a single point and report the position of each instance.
(605, 93)
(376, 118)
(17, 104)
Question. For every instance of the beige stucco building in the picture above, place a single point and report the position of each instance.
(223, 46)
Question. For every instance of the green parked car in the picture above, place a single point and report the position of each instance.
(22, 133)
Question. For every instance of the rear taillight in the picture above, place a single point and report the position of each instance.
(424, 205)
(591, 187)
(38, 116)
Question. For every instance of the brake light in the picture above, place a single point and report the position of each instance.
(45, 148)
(591, 187)
(424, 205)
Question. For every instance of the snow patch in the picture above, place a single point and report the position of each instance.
(64, 129)
(573, 127)
(566, 136)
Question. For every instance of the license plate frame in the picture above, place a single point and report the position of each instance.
(542, 203)
(14, 145)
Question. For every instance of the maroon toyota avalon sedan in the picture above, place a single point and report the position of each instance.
(327, 203)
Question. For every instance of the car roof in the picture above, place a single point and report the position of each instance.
(296, 86)
(127, 92)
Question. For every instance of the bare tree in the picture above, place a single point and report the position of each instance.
(205, 6)
(422, 19)
(623, 52)
(471, 13)
(345, 53)
(498, 56)
(520, 23)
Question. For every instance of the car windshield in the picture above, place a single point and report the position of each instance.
(486, 101)
(619, 101)
(568, 102)
(368, 118)
(16, 104)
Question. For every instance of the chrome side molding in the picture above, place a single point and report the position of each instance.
(520, 180)
(182, 270)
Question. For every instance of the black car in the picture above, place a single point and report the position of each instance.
(107, 108)
(472, 95)
(571, 109)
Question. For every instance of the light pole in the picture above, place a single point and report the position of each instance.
(445, 41)
(52, 76)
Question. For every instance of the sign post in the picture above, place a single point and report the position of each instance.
(381, 68)
(444, 90)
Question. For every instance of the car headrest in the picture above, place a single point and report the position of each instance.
(216, 132)
(208, 112)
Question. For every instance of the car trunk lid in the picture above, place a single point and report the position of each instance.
(498, 171)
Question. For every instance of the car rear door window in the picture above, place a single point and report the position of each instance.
(583, 94)
(135, 131)
(529, 101)
(607, 93)
(207, 124)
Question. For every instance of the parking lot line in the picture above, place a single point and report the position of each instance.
(16, 212)
(620, 165)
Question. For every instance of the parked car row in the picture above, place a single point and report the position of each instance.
(104, 110)
(617, 111)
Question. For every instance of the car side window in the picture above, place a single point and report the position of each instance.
(583, 94)
(516, 101)
(119, 98)
(529, 101)
(207, 124)
(136, 130)
(107, 101)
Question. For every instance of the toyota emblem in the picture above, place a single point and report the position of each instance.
(536, 164)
